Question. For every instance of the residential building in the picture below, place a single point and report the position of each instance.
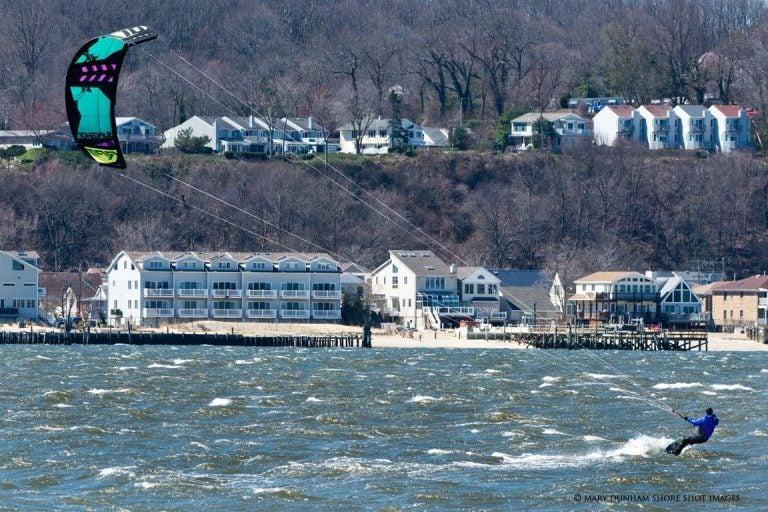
(376, 136)
(68, 294)
(526, 296)
(693, 127)
(615, 123)
(569, 129)
(614, 297)
(154, 288)
(137, 136)
(19, 290)
(730, 128)
(679, 305)
(254, 134)
(417, 289)
(658, 127)
(740, 303)
(479, 289)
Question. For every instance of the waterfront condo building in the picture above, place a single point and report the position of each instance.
(160, 288)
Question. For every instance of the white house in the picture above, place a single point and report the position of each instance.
(137, 136)
(614, 123)
(730, 127)
(570, 129)
(377, 136)
(658, 127)
(416, 288)
(153, 288)
(19, 274)
(479, 289)
(693, 127)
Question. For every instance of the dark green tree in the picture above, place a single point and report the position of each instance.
(188, 143)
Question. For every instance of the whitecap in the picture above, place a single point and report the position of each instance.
(549, 378)
(437, 451)
(108, 391)
(602, 376)
(677, 385)
(313, 399)
(270, 490)
(220, 402)
(552, 431)
(491, 370)
(730, 387)
(117, 471)
(178, 362)
(591, 439)
(423, 398)
(158, 365)
(62, 406)
(145, 485)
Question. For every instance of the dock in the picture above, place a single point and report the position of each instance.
(152, 338)
(575, 339)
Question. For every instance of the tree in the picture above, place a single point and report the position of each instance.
(188, 143)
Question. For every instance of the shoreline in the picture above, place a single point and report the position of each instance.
(717, 342)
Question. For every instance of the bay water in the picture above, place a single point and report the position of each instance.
(237, 428)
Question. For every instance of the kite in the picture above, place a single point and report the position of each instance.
(90, 93)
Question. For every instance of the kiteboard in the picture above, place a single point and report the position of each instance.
(675, 448)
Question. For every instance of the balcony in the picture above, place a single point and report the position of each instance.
(326, 314)
(158, 292)
(326, 294)
(261, 294)
(261, 313)
(294, 294)
(193, 313)
(227, 294)
(193, 292)
(158, 313)
(498, 316)
(227, 313)
(295, 314)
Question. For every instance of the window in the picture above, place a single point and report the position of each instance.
(469, 288)
(394, 269)
(224, 286)
(434, 283)
(18, 266)
(394, 281)
(259, 286)
(481, 289)
(155, 265)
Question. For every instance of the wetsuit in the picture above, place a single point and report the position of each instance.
(706, 426)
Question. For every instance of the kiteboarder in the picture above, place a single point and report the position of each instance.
(706, 424)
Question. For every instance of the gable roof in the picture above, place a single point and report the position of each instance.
(753, 283)
(532, 117)
(727, 110)
(523, 288)
(656, 110)
(619, 110)
(608, 277)
(421, 262)
(691, 110)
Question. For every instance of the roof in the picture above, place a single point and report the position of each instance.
(609, 277)
(524, 288)
(657, 110)
(620, 110)
(532, 117)
(728, 110)
(206, 257)
(692, 110)
(753, 283)
(421, 262)
(55, 283)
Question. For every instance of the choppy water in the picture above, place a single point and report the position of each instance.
(205, 428)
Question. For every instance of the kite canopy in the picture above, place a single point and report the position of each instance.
(91, 89)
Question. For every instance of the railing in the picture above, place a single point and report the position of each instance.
(498, 316)
(227, 313)
(193, 292)
(261, 313)
(294, 294)
(326, 314)
(448, 310)
(158, 313)
(294, 313)
(261, 294)
(235, 294)
(326, 294)
(193, 313)
(158, 292)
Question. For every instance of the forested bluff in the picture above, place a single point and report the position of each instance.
(593, 208)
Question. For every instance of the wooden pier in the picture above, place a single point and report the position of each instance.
(150, 338)
(574, 339)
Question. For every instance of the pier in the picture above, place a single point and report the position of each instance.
(153, 338)
(574, 339)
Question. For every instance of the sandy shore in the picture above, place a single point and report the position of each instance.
(383, 339)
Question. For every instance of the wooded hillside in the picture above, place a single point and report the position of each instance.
(594, 208)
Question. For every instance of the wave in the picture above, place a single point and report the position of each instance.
(677, 385)
(424, 398)
(730, 387)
